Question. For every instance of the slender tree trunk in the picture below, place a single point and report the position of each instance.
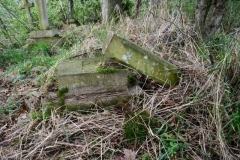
(137, 8)
(164, 9)
(208, 16)
(219, 10)
(108, 7)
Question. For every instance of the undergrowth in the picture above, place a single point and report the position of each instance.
(196, 119)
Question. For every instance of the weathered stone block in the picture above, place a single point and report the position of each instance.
(103, 99)
(80, 77)
(85, 102)
(44, 33)
(131, 54)
(52, 41)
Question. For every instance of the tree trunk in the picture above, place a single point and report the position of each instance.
(154, 6)
(108, 6)
(137, 8)
(208, 16)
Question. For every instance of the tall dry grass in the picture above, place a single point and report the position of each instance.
(193, 109)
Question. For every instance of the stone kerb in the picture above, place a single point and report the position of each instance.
(86, 86)
(135, 56)
(81, 77)
(44, 33)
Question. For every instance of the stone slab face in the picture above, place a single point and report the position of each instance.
(81, 78)
(149, 64)
(80, 102)
(44, 33)
(52, 41)
(103, 99)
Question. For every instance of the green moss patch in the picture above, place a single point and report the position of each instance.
(106, 70)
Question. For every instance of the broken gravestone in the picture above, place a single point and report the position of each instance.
(26, 5)
(129, 53)
(46, 35)
(70, 18)
(89, 84)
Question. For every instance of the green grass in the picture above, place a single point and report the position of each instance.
(136, 126)
(12, 57)
(40, 115)
(231, 19)
(61, 94)
(136, 130)
(11, 107)
(31, 63)
(100, 34)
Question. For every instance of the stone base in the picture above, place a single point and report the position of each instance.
(88, 87)
(80, 76)
(101, 99)
(50, 37)
(52, 41)
(88, 101)
(44, 33)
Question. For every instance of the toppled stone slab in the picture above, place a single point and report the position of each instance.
(44, 33)
(131, 54)
(52, 41)
(81, 77)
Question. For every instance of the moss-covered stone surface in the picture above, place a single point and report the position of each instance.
(131, 54)
(81, 76)
(88, 87)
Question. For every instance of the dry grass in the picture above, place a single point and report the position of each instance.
(193, 110)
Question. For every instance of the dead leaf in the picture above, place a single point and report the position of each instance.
(172, 121)
(21, 110)
(22, 87)
(83, 96)
(133, 38)
(129, 154)
(167, 101)
(78, 142)
(119, 157)
(4, 91)
(22, 117)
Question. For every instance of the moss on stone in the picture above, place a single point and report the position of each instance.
(132, 80)
(106, 70)
(144, 61)
(61, 97)
(62, 91)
